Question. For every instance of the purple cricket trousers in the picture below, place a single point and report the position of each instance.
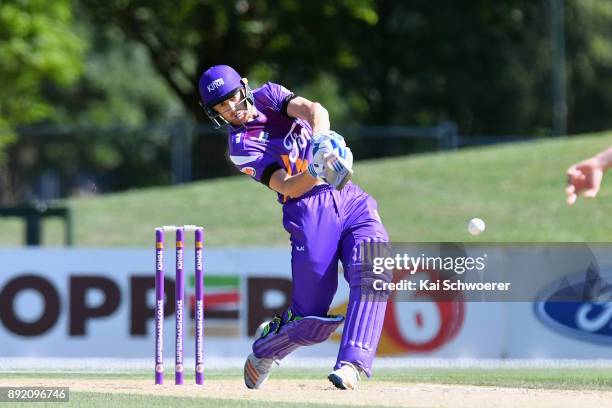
(327, 225)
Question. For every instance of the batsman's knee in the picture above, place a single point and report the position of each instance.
(313, 329)
(367, 270)
(287, 332)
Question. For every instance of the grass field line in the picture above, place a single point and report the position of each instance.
(319, 391)
(131, 365)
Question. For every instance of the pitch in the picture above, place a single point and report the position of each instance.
(292, 387)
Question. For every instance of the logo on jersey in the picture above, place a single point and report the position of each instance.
(215, 84)
(249, 171)
(294, 142)
(263, 137)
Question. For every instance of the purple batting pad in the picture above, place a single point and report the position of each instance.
(364, 320)
(283, 339)
(365, 313)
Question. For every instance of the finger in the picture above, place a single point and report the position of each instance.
(330, 155)
(572, 171)
(575, 177)
(570, 191)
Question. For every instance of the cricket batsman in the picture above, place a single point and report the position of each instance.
(284, 142)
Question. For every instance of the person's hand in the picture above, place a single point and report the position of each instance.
(338, 169)
(324, 144)
(584, 179)
(317, 167)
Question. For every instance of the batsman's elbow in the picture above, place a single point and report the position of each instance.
(319, 112)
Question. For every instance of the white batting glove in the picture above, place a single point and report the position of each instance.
(323, 144)
(338, 169)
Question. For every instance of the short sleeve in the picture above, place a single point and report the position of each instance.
(275, 97)
(257, 164)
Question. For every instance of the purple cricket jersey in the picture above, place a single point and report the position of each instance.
(326, 226)
(272, 140)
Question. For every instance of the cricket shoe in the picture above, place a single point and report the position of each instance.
(346, 377)
(256, 371)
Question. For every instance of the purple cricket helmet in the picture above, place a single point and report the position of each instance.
(217, 84)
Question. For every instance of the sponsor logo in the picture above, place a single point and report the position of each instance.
(249, 171)
(578, 306)
(179, 331)
(160, 259)
(179, 258)
(199, 263)
(263, 137)
(159, 350)
(223, 306)
(215, 84)
(294, 142)
(199, 312)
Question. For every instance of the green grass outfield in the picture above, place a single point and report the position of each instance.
(518, 189)
(536, 378)
(549, 378)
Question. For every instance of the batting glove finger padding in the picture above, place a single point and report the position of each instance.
(338, 169)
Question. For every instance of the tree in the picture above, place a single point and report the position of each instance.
(485, 65)
(293, 39)
(589, 65)
(37, 46)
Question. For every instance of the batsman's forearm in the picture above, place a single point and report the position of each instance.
(319, 120)
(292, 186)
(298, 185)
